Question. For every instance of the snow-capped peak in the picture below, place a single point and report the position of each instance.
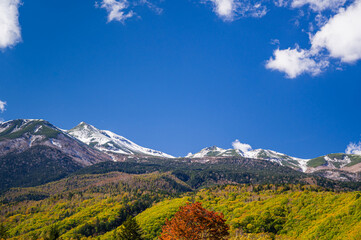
(108, 141)
(245, 150)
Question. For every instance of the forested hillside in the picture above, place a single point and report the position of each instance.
(221, 171)
(82, 206)
(94, 206)
(269, 211)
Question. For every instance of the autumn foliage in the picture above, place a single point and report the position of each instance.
(193, 222)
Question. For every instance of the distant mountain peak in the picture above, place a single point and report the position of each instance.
(246, 151)
(20, 135)
(83, 125)
(109, 142)
(213, 148)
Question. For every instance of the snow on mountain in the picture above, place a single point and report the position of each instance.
(336, 161)
(109, 142)
(245, 150)
(17, 136)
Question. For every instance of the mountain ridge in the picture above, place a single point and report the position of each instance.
(248, 152)
(109, 142)
(19, 135)
(86, 145)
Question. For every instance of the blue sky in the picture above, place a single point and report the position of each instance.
(178, 76)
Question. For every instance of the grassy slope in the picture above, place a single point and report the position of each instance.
(319, 161)
(44, 128)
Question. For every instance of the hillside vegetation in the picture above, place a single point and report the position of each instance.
(93, 202)
(265, 212)
(34, 166)
(94, 206)
(83, 206)
(220, 171)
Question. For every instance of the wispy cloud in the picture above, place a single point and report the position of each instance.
(117, 9)
(230, 10)
(353, 148)
(2, 106)
(151, 6)
(338, 38)
(10, 33)
(244, 147)
(121, 10)
(319, 5)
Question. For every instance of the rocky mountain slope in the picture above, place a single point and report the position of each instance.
(111, 143)
(263, 154)
(34, 152)
(17, 136)
(337, 166)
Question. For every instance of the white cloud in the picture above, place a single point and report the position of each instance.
(241, 146)
(117, 10)
(2, 106)
(341, 35)
(319, 5)
(224, 8)
(230, 10)
(294, 62)
(353, 148)
(10, 33)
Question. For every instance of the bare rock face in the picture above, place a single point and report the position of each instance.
(20, 135)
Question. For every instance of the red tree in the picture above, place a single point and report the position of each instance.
(193, 222)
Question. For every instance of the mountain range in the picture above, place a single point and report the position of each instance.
(83, 183)
(33, 151)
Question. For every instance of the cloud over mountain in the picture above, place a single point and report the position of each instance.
(244, 147)
(354, 148)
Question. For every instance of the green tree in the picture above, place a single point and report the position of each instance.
(3, 231)
(130, 230)
(53, 233)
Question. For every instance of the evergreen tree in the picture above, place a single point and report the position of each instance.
(53, 233)
(130, 230)
(3, 231)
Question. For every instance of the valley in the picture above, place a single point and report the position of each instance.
(85, 182)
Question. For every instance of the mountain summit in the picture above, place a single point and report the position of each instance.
(109, 142)
(246, 151)
(33, 152)
(17, 136)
